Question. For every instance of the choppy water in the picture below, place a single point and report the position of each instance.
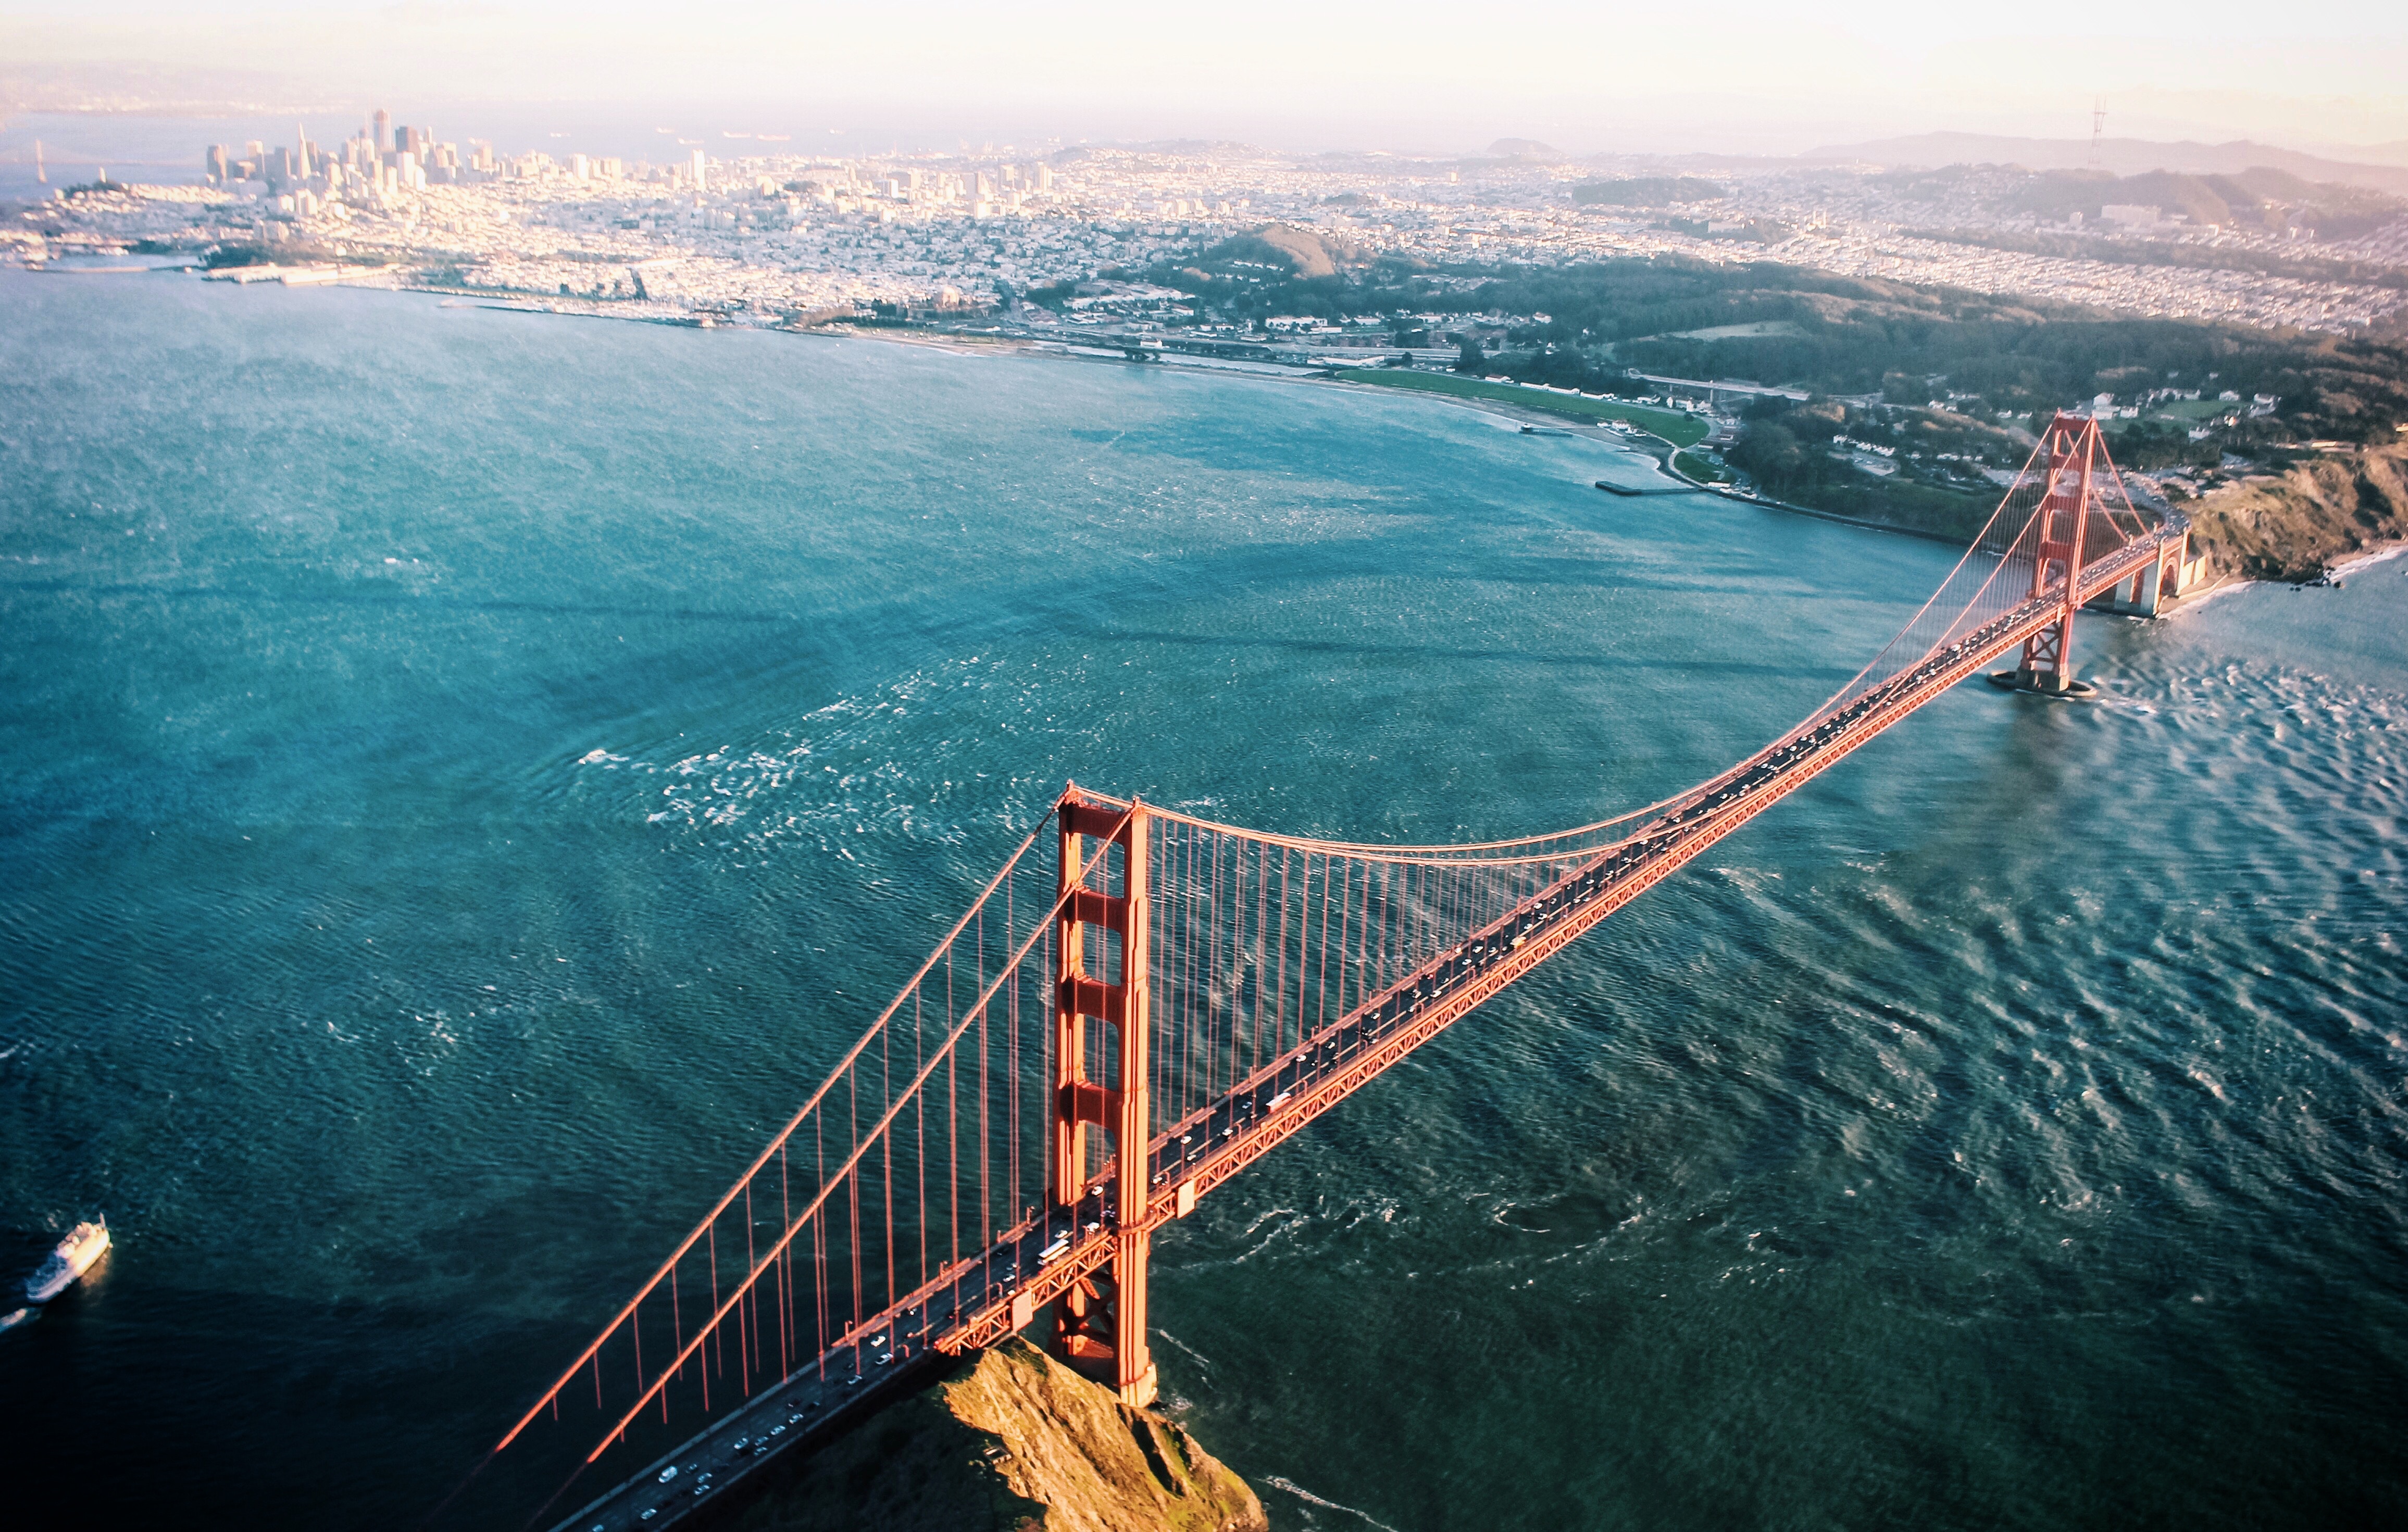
(466, 773)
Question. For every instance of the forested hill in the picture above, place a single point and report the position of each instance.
(1839, 335)
(1917, 397)
(1593, 325)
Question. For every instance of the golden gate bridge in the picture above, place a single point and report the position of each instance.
(1113, 1031)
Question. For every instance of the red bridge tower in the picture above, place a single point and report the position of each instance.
(2071, 443)
(1099, 1324)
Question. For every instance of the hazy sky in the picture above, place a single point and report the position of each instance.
(1730, 75)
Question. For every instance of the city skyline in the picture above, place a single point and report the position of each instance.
(755, 222)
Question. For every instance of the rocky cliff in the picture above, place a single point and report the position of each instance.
(1009, 1441)
(2297, 524)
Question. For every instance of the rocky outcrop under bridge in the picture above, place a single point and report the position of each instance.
(1014, 1441)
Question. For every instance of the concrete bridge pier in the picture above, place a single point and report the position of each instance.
(2174, 571)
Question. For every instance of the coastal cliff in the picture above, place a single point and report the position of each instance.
(2297, 524)
(1012, 1441)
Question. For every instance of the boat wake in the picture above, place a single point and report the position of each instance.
(1305, 1494)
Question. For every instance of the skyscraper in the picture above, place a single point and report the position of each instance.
(215, 162)
(701, 164)
(383, 131)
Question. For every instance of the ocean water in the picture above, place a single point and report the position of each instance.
(464, 774)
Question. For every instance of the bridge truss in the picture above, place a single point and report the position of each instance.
(1129, 1016)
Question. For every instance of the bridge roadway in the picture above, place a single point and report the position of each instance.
(985, 1299)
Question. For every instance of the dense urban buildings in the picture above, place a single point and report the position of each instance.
(739, 226)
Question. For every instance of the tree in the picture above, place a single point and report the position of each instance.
(1772, 453)
(1468, 357)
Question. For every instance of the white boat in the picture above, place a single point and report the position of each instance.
(85, 1244)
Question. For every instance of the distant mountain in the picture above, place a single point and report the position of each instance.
(2121, 156)
(133, 89)
(1225, 148)
(1523, 148)
(2395, 152)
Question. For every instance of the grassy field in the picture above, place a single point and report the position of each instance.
(1679, 429)
(1693, 466)
(1742, 332)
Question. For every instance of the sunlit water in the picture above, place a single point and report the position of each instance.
(467, 773)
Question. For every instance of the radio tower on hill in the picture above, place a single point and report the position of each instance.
(2097, 126)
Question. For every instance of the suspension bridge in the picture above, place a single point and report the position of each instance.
(1117, 1028)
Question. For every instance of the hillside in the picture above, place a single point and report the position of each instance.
(1009, 1441)
(2259, 197)
(2296, 525)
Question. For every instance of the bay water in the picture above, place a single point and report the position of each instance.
(465, 774)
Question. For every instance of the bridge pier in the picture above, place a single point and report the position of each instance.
(2169, 576)
(1098, 1325)
(2041, 685)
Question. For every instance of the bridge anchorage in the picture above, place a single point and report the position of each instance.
(1115, 1031)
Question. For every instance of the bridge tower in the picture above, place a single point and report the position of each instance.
(2073, 452)
(1099, 1325)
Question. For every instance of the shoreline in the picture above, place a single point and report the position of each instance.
(1636, 439)
(2383, 553)
(2225, 585)
(1632, 437)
